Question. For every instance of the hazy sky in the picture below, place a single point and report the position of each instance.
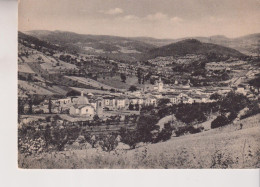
(155, 18)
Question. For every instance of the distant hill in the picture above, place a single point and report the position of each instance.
(28, 40)
(249, 44)
(191, 46)
(134, 48)
(121, 48)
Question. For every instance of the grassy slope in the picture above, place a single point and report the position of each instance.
(117, 83)
(233, 147)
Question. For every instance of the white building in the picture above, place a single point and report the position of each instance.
(82, 107)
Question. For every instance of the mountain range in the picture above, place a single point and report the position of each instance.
(140, 48)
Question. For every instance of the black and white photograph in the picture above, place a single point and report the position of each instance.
(138, 84)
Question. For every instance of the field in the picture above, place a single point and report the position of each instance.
(226, 147)
(90, 82)
(40, 88)
(116, 82)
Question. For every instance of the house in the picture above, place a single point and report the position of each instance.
(120, 102)
(241, 90)
(150, 100)
(109, 102)
(65, 101)
(160, 85)
(133, 100)
(173, 98)
(187, 100)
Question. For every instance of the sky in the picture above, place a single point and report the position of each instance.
(150, 18)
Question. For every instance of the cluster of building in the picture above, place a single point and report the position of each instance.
(227, 65)
(103, 105)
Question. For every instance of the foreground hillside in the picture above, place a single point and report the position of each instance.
(226, 147)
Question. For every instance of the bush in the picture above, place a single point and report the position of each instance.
(188, 129)
(253, 110)
(219, 122)
(132, 88)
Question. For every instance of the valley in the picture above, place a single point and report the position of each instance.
(143, 102)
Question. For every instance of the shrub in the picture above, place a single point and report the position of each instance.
(221, 160)
(253, 110)
(108, 143)
(132, 88)
(92, 140)
(188, 129)
(219, 122)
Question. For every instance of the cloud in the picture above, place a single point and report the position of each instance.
(215, 19)
(156, 17)
(113, 11)
(176, 20)
(130, 17)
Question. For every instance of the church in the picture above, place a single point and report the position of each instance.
(83, 108)
(157, 87)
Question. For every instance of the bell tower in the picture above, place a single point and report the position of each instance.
(160, 85)
(100, 107)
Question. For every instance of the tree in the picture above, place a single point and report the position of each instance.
(146, 126)
(72, 93)
(152, 81)
(215, 96)
(96, 118)
(59, 138)
(50, 105)
(30, 106)
(131, 106)
(92, 140)
(139, 75)
(132, 88)
(112, 90)
(165, 133)
(109, 142)
(123, 77)
(233, 102)
(126, 121)
(128, 137)
(20, 106)
(255, 82)
(219, 122)
(136, 106)
(163, 102)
